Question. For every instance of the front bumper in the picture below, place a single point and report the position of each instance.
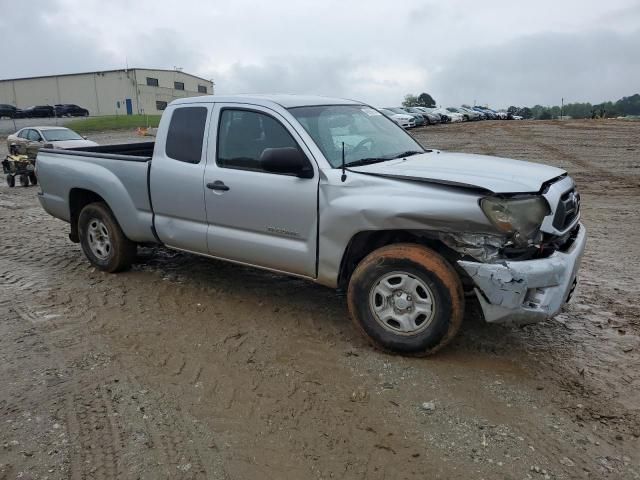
(527, 291)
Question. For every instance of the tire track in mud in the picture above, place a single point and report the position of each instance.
(253, 374)
(102, 431)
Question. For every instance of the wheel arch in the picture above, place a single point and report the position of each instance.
(363, 243)
(78, 199)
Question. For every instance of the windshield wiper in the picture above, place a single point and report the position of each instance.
(408, 153)
(365, 161)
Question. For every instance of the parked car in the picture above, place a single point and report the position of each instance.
(39, 111)
(434, 117)
(8, 111)
(70, 110)
(407, 232)
(473, 114)
(402, 119)
(32, 139)
(454, 117)
(490, 114)
(419, 119)
(440, 112)
(465, 115)
(430, 118)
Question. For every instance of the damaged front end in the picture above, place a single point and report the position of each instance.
(528, 271)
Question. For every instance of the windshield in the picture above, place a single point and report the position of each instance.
(366, 133)
(60, 135)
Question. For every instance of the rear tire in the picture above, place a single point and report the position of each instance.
(11, 180)
(24, 180)
(102, 240)
(33, 179)
(406, 299)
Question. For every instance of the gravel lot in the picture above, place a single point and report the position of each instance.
(191, 368)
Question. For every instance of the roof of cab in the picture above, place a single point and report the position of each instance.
(284, 100)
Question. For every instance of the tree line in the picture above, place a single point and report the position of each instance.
(625, 106)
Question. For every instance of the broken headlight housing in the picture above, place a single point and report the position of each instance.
(518, 217)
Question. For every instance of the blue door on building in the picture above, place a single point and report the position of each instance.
(129, 106)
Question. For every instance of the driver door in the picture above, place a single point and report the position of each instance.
(257, 217)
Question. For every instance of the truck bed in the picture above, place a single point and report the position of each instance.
(139, 151)
(118, 174)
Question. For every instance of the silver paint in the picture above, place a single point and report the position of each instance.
(434, 194)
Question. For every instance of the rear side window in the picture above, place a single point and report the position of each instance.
(186, 133)
(33, 135)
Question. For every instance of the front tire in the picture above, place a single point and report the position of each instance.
(24, 180)
(33, 179)
(406, 299)
(11, 180)
(102, 240)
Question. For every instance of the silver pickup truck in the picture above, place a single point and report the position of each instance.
(333, 191)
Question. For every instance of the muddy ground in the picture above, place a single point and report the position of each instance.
(186, 367)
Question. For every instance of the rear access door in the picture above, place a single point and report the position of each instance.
(177, 173)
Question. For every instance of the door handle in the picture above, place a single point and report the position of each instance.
(218, 185)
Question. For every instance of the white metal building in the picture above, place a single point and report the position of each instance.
(110, 92)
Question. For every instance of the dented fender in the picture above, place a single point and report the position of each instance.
(372, 203)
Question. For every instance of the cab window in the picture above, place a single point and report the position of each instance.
(186, 134)
(244, 135)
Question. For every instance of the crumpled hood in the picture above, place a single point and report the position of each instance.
(73, 144)
(498, 175)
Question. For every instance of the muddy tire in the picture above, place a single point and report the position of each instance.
(102, 240)
(24, 180)
(11, 181)
(406, 299)
(33, 179)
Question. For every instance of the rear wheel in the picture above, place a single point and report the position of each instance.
(102, 239)
(24, 180)
(406, 299)
(33, 179)
(11, 180)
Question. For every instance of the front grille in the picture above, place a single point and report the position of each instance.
(567, 210)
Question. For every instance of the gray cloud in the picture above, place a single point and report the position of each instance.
(543, 68)
(500, 53)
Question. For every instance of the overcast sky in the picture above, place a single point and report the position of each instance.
(496, 52)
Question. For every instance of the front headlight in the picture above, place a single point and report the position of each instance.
(519, 217)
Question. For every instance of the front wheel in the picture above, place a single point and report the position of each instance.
(33, 179)
(11, 180)
(102, 239)
(24, 180)
(407, 299)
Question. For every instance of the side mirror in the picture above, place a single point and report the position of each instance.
(85, 137)
(287, 160)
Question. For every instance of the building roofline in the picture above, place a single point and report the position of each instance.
(104, 71)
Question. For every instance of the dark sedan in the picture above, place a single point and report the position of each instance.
(39, 111)
(70, 110)
(7, 110)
